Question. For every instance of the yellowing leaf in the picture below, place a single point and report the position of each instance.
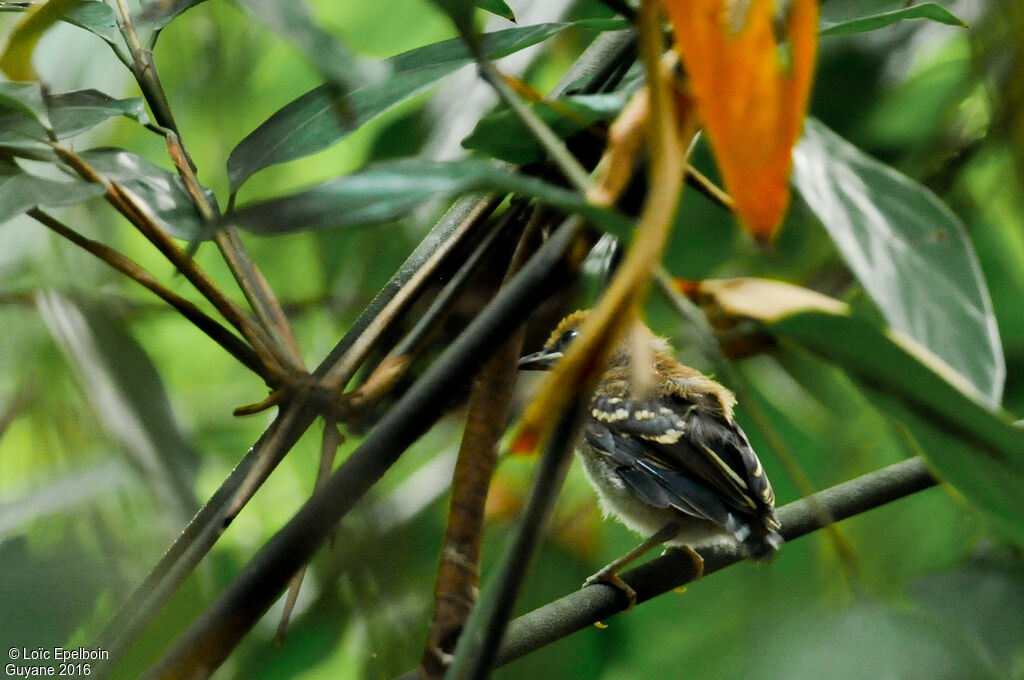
(751, 92)
(16, 60)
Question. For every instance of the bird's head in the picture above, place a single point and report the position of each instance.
(559, 340)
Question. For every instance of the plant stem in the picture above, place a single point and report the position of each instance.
(218, 333)
(261, 298)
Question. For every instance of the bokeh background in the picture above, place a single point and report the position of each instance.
(107, 447)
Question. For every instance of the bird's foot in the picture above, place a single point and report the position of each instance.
(609, 577)
(698, 561)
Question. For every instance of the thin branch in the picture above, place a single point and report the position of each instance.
(137, 215)
(210, 639)
(583, 608)
(330, 440)
(339, 366)
(218, 333)
(600, 66)
(248, 276)
(556, 149)
(704, 185)
(400, 358)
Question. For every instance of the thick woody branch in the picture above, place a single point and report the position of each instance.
(209, 640)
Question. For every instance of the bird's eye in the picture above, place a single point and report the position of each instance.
(566, 338)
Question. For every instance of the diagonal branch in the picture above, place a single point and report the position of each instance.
(218, 333)
(212, 637)
(583, 608)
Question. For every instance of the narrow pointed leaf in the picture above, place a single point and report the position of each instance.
(161, 192)
(75, 112)
(497, 7)
(22, 192)
(96, 17)
(388, 190)
(752, 104)
(908, 250)
(319, 119)
(844, 19)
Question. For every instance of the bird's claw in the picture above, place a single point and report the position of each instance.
(611, 578)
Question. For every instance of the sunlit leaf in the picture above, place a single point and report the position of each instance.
(973, 448)
(908, 250)
(16, 59)
(314, 121)
(124, 389)
(855, 17)
(160, 192)
(751, 93)
(388, 190)
(21, 192)
(503, 136)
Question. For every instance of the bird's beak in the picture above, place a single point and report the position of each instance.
(540, 361)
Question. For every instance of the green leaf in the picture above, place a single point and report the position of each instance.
(96, 17)
(125, 391)
(388, 190)
(75, 112)
(973, 448)
(16, 60)
(158, 14)
(908, 250)
(160, 192)
(67, 114)
(22, 192)
(319, 118)
(872, 22)
(502, 135)
(496, 7)
(26, 98)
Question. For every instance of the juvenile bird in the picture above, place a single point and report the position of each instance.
(667, 458)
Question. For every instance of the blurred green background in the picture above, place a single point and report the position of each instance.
(107, 446)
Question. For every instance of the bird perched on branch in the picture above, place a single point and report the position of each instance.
(664, 453)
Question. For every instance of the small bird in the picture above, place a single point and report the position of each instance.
(667, 458)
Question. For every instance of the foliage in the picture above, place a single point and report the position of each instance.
(266, 169)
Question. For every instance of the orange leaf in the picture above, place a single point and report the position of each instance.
(752, 94)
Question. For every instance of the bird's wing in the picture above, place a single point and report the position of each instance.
(673, 453)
